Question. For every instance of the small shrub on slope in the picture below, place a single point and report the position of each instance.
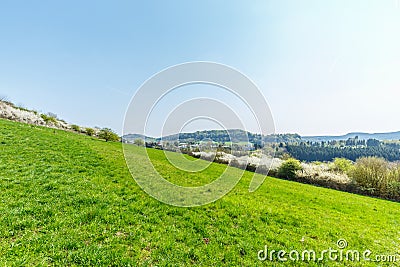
(377, 176)
(289, 168)
(48, 119)
(76, 128)
(108, 135)
(342, 165)
(89, 131)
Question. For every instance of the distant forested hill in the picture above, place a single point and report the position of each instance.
(236, 136)
(222, 136)
(361, 136)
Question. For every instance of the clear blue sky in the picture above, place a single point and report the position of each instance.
(326, 67)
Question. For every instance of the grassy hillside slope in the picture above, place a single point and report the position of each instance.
(69, 199)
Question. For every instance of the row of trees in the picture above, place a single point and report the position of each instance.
(351, 142)
(52, 119)
(235, 136)
(106, 133)
(327, 153)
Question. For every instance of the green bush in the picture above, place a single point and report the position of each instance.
(108, 135)
(342, 165)
(289, 168)
(377, 176)
(394, 190)
(76, 128)
(48, 119)
(89, 131)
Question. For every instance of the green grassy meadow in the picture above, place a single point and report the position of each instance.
(69, 199)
